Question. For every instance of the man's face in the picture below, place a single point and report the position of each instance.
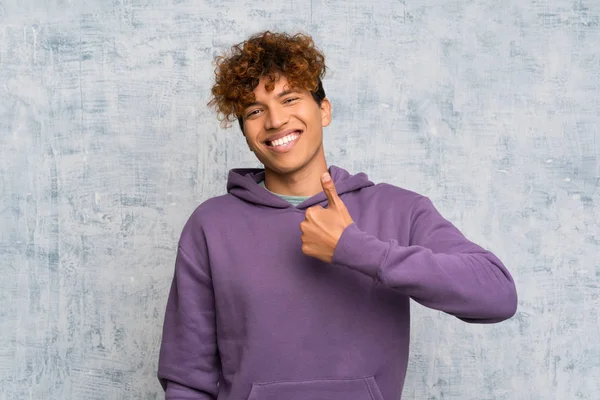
(284, 127)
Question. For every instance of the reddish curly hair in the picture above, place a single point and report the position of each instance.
(265, 54)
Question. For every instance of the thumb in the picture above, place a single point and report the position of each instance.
(329, 189)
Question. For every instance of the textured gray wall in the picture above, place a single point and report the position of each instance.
(106, 146)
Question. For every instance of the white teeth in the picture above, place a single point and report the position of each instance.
(285, 140)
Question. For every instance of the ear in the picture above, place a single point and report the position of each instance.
(325, 112)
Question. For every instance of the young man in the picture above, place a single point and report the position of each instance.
(295, 285)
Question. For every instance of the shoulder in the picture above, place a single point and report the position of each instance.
(395, 194)
(210, 213)
(406, 202)
(213, 209)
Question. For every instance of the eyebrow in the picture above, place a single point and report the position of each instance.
(279, 95)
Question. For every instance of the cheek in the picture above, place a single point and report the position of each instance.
(250, 144)
(311, 118)
(251, 137)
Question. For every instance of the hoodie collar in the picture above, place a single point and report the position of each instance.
(244, 184)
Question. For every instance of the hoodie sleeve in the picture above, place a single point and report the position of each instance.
(188, 367)
(440, 268)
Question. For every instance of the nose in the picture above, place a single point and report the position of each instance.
(276, 118)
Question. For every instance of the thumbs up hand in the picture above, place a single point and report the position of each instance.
(323, 227)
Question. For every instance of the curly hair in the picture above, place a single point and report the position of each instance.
(269, 55)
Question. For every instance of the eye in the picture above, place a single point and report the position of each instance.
(289, 100)
(252, 113)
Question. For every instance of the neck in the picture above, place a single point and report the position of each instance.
(304, 182)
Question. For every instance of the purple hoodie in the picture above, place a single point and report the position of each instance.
(249, 316)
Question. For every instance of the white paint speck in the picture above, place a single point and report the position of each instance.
(169, 61)
(549, 161)
(34, 44)
(502, 171)
(567, 179)
(576, 197)
(385, 105)
(173, 204)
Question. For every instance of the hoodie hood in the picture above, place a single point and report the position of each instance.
(243, 183)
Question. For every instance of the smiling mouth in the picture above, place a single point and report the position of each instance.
(284, 141)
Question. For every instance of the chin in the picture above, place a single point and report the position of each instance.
(283, 170)
(288, 165)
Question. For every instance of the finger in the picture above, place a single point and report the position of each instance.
(306, 249)
(329, 188)
(305, 225)
(311, 211)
